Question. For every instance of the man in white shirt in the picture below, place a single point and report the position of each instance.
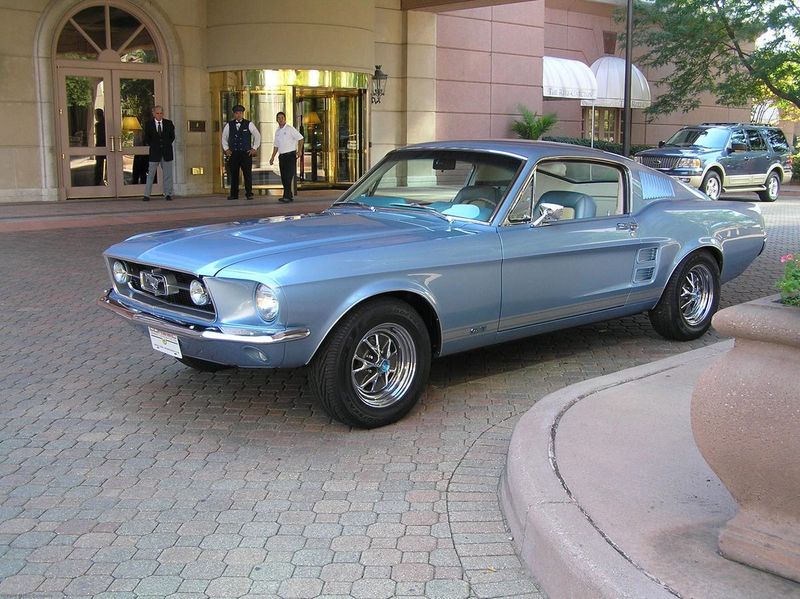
(240, 141)
(289, 145)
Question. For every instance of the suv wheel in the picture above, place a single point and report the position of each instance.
(711, 185)
(773, 188)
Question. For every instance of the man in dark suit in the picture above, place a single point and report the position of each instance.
(159, 134)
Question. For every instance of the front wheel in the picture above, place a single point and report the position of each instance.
(372, 368)
(711, 185)
(690, 299)
(773, 188)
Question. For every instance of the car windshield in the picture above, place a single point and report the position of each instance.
(713, 138)
(454, 183)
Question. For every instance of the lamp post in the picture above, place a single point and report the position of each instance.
(627, 112)
(378, 84)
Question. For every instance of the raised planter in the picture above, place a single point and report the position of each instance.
(746, 422)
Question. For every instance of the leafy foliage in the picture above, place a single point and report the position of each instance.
(533, 126)
(710, 46)
(789, 284)
(606, 146)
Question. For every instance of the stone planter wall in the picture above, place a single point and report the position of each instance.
(746, 422)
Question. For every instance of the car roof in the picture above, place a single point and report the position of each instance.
(520, 147)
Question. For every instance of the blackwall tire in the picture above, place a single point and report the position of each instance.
(690, 299)
(373, 366)
(711, 185)
(773, 188)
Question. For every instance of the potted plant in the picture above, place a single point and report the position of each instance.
(745, 417)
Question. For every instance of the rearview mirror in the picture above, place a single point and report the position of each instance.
(444, 164)
(661, 144)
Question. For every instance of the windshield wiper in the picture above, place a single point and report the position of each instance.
(422, 207)
(353, 203)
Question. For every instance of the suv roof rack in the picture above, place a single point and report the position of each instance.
(738, 124)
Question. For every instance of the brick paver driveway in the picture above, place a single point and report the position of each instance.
(124, 473)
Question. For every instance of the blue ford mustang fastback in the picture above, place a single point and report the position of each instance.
(440, 248)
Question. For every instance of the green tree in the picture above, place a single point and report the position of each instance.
(710, 46)
(532, 126)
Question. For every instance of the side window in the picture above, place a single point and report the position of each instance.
(738, 137)
(777, 140)
(584, 189)
(757, 143)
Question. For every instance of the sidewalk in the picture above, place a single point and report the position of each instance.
(69, 214)
(40, 216)
(607, 495)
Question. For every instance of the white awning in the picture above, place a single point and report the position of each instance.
(563, 78)
(610, 74)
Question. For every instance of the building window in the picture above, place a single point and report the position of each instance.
(607, 124)
(609, 42)
(106, 33)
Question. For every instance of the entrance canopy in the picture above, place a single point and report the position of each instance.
(563, 78)
(610, 74)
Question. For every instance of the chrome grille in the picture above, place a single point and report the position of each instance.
(660, 162)
(181, 299)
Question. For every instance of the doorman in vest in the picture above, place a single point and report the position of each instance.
(240, 141)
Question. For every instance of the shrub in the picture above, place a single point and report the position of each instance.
(533, 126)
(608, 146)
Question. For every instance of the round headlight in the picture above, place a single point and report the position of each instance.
(121, 275)
(266, 302)
(198, 293)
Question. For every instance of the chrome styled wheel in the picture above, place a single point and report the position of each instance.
(712, 186)
(689, 300)
(697, 295)
(373, 366)
(383, 366)
(773, 188)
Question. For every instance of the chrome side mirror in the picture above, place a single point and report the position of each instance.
(547, 213)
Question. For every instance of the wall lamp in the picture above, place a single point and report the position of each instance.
(378, 84)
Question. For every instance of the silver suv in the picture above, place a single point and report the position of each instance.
(717, 157)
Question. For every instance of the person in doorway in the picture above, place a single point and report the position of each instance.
(99, 142)
(159, 135)
(240, 142)
(289, 146)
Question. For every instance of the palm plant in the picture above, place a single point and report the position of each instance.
(533, 126)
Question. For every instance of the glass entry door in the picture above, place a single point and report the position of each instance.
(331, 123)
(102, 114)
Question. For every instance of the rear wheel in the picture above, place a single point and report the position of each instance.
(202, 365)
(711, 185)
(690, 299)
(773, 188)
(373, 366)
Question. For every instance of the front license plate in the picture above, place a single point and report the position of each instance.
(165, 342)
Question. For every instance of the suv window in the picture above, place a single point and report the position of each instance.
(738, 137)
(713, 138)
(777, 140)
(757, 143)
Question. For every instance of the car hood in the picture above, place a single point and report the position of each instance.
(208, 249)
(690, 151)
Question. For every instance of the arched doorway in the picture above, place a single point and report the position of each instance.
(109, 68)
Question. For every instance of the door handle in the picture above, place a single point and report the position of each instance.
(112, 144)
(627, 227)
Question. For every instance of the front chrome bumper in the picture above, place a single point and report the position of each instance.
(196, 331)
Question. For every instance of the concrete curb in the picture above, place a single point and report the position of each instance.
(566, 553)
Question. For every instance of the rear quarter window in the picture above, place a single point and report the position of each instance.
(649, 187)
(777, 140)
